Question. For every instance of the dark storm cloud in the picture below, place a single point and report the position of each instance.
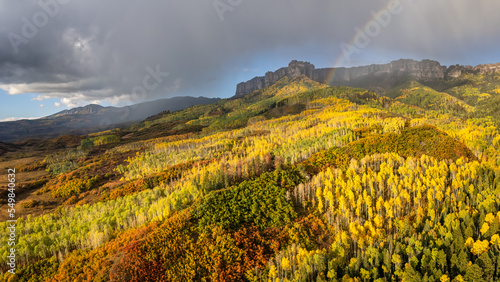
(105, 50)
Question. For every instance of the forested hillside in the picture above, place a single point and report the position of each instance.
(298, 181)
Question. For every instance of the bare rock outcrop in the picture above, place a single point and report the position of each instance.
(376, 76)
(295, 68)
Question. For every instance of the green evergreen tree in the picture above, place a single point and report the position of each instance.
(474, 273)
(486, 265)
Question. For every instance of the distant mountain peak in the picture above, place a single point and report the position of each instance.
(85, 110)
(93, 118)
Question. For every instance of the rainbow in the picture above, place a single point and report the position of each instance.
(341, 59)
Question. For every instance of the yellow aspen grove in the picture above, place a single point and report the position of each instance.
(297, 181)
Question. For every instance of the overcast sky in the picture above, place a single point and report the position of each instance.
(58, 54)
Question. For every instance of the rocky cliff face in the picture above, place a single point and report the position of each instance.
(295, 68)
(488, 68)
(372, 76)
(457, 70)
(381, 76)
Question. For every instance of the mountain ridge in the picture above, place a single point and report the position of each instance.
(374, 77)
(87, 109)
(92, 117)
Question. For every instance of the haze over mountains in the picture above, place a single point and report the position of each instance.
(91, 118)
